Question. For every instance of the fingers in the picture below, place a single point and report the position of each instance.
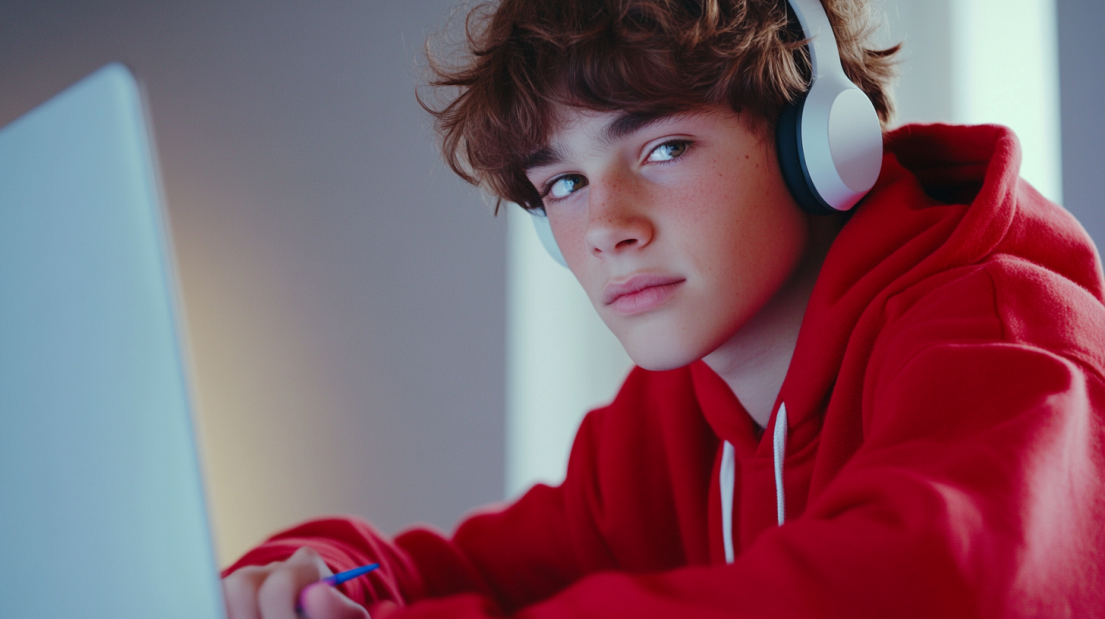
(271, 591)
(240, 591)
(324, 602)
(278, 594)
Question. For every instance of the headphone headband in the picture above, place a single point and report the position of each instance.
(824, 54)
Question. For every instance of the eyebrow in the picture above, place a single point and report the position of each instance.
(623, 125)
(629, 123)
(541, 158)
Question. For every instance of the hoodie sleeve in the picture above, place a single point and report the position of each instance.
(634, 500)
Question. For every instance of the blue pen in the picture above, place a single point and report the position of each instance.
(335, 580)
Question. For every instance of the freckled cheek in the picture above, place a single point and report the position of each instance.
(569, 233)
(731, 228)
(688, 204)
(715, 206)
(571, 238)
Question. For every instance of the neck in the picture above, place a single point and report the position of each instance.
(754, 362)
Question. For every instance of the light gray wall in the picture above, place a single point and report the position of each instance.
(344, 292)
(1082, 79)
(922, 93)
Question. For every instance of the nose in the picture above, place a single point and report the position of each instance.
(617, 220)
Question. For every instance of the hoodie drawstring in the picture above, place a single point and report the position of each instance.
(727, 479)
(780, 455)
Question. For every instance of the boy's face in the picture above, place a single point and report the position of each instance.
(680, 229)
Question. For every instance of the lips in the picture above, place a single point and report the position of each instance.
(640, 293)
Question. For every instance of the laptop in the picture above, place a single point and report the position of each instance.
(102, 509)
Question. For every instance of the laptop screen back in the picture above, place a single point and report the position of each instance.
(101, 502)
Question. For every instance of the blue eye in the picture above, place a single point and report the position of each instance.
(668, 151)
(566, 185)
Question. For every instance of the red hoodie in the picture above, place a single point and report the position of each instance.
(940, 454)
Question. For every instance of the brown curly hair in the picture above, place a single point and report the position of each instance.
(524, 58)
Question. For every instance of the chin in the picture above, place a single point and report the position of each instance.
(659, 356)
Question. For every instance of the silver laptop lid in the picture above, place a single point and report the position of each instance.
(101, 503)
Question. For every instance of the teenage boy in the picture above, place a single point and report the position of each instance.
(891, 412)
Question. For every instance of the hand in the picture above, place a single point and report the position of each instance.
(272, 591)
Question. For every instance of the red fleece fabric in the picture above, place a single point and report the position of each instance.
(944, 456)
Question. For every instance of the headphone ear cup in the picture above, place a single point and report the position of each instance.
(788, 148)
(548, 241)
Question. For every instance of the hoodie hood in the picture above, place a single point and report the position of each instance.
(949, 198)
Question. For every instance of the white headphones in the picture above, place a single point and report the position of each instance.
(544, 232)
(829, 142)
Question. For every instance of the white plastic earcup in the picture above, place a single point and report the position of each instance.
(544, 232)
(839, 137)
(855, 140)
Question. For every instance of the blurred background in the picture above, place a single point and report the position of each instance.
(365, 337)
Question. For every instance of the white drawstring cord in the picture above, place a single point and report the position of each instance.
(780, 455)
(727, 479)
